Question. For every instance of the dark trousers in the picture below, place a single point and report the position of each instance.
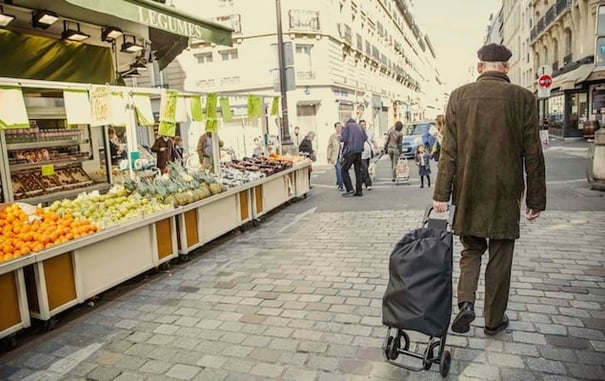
(365, 175)
(348, 160)
(497, 274)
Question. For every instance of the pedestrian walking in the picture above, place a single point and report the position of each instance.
(366, 155)
(352, 138)
(392, 147)
(423, 161)
(333, 154)
(491, 149)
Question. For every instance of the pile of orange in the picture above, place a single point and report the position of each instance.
(19, 236)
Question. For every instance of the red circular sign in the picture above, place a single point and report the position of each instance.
(545, 81)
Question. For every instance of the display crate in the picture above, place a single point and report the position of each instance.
(14, 312)
(71, 273)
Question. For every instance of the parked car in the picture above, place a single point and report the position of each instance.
(417, 133)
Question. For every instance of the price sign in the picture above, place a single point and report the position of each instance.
(48, 170)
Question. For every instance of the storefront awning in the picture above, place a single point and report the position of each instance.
(162, 17)
(570, 79)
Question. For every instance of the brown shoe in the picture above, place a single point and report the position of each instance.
(500, 327)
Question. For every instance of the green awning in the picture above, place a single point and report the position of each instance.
(162, 17)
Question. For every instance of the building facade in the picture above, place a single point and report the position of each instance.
(516, 26)
(563, 38)
(362, 58)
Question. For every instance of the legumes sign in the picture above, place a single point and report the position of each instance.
(168, 23)
(160, 17)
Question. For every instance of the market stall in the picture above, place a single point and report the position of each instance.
(86, 211)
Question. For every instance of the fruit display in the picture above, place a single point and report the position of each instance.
(233, 177)
(109, 209)
(265, 164)
(25, 229)
(30, 183)
(177, 187)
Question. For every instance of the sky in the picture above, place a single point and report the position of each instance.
(456, 29)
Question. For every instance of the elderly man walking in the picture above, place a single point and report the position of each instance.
(491, 149)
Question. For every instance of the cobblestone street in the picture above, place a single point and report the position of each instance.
(299, 298)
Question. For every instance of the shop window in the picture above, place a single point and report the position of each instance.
(556, 110)
(598, 101)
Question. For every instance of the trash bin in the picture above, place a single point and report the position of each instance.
(590, 126)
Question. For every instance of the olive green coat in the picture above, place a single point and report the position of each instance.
(491, 142)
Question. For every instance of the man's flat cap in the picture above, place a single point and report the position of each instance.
(494, 53)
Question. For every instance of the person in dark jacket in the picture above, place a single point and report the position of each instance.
(306, 147)
(165, 152)
(353, 137)
(491, 149)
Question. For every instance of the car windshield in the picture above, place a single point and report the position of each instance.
(421, 129)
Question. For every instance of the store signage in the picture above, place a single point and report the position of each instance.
(161, 17)
(48, 170)
(168, 23)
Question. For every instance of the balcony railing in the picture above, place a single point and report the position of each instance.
(230, 81)
(557, 9)
(305, 75)
(303, 20)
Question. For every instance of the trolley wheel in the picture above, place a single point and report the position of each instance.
(164, 266)
(255, 222)
(444, 363)
(396, 345)
(406, 340)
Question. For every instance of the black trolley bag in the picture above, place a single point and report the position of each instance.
(418, 296)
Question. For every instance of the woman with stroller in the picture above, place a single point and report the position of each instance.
(423, 161)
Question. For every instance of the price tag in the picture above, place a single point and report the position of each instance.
(48, 170)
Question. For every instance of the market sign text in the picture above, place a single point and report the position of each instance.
(168, 23)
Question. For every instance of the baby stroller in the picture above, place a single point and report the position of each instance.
(402, 170)
(419, 294)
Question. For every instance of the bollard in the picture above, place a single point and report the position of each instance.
(598, 162)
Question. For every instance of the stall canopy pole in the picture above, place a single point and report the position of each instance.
(264, 126)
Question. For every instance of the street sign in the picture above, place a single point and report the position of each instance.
(545, 81)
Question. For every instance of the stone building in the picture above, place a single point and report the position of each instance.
(563, 38)
(363, 58)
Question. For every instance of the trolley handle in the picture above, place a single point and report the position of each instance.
(450, 219)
